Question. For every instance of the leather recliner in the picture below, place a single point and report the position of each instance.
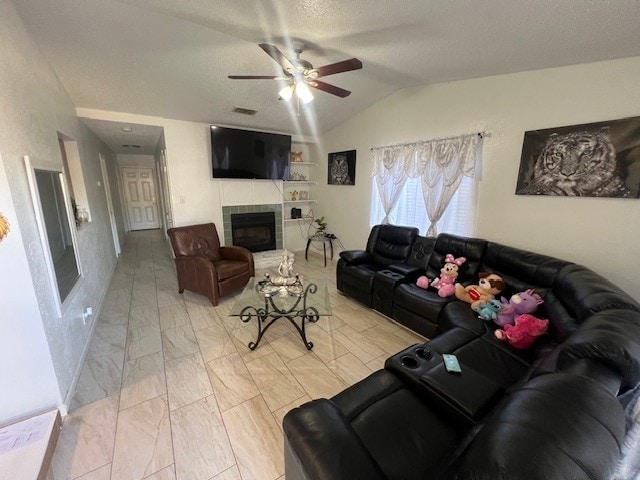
(387, 245)
(204, 267)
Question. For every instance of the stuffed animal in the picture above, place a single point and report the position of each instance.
(489, 310)
(489, 285)
(523, 332)
(522, 302)
(448, 274)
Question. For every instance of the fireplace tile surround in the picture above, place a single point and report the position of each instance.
(267, 207)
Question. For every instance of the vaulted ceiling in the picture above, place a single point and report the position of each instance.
(171, 58)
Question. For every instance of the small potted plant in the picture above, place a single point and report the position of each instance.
(321, 226)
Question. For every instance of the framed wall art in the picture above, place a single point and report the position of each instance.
(342, 168)
(589, 160)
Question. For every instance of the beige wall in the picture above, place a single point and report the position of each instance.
(600, 233)
(195, 196)
(34, 109)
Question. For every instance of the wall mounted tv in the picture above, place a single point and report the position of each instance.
(239, 153)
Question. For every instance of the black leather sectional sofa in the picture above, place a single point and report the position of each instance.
(554, 411)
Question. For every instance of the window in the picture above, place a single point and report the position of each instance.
(458, 218)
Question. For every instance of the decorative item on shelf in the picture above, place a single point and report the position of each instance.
(5, 227)
(304, 195)
(296, 157)
(294, 195)
(297, 177)
(296, 213)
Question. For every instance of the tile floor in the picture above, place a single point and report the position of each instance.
(170, 390)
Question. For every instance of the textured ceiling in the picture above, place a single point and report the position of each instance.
(111, 133)
(171, 58)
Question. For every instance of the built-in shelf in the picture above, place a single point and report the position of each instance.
(292, 220)
(307, 170)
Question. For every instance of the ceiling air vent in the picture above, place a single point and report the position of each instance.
(244, 111)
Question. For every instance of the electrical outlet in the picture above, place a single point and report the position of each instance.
(87, 313)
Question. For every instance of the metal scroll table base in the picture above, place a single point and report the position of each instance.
(271, 313)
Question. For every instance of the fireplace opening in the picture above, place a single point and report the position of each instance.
(254, 231)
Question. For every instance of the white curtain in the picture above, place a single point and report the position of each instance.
(389, 165)
(441, 164)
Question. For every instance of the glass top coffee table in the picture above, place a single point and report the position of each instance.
(299, 302)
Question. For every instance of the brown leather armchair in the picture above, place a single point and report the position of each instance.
(204, 266)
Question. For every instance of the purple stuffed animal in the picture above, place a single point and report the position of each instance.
(522, 302)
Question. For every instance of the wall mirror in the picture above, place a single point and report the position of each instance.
(57, 230)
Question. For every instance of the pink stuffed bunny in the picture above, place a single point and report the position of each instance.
(524, 332)
(448, 274)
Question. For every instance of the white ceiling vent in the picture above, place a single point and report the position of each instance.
(244, 111)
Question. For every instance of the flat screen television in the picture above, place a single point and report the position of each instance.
(237, 153)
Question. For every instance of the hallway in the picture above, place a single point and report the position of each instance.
(170, 389)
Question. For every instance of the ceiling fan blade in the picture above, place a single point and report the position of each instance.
(255, 77)
(277, 55)
(339, 67)
(332, 89)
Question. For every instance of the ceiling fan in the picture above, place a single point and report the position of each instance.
(300, 74)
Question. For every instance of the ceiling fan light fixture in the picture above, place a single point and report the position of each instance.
(287, 92)
(299, 74)
(303, 92)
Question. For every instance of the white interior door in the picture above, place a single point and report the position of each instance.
(107, 191)
(140, 193)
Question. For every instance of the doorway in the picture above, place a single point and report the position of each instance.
(140, 196)
(166, 190)
(107, 192)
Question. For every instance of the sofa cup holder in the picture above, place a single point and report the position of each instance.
(423, 353)
(409, 361)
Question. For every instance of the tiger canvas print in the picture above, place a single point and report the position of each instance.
(594, 160)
